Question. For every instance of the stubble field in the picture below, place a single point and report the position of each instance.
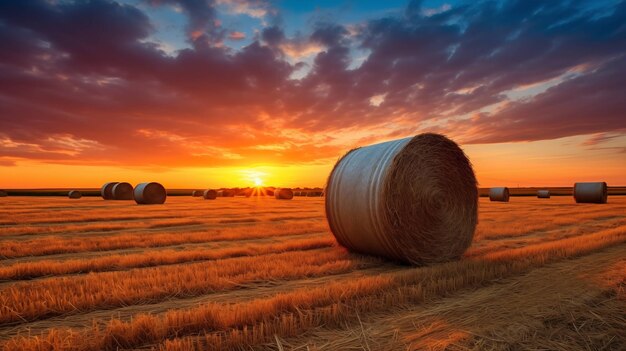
(241, 273)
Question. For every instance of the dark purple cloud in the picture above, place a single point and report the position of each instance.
(83, 82)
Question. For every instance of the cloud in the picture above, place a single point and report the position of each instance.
(73, 92)
(236, 36)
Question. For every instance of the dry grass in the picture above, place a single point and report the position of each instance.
(29, 270)
(347, 308)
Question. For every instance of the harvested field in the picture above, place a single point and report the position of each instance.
(257, 273)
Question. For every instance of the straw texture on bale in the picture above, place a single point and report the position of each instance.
(107, 190)
(150, 193)
(414, 200)
(283, 193)
(122, 191)
(210, 194)
(543, 194)
(499, 194)
(74, 194)
(3, 193)
(591, 192)
(197, 193)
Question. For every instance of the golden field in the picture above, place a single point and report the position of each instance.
(248, 273)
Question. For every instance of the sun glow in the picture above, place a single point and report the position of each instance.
(258, 181)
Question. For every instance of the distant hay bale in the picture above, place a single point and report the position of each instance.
(209, 194)
(414, 200)
(122, 191)
(107, 190)
(74, 194)
(500, 194)
(591, 192)
(314, 193)
(3, 193)
(197, 193)
(543, 194)
(283, 193)
(150, 193)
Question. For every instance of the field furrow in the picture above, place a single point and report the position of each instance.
(257, 273)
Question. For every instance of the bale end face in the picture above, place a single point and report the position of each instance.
(414, 200)
(107, 190)
(122, 191)
(150, 194)
(74, 194)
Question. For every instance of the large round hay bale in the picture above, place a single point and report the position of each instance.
(197, 193)
(3, 193)
(591, 192)
(210, 194)
(499, 194)
(122, 191)
(543, 194)
(414, 200)
(150, 193)
(74, 194)
(107, 190)
(283, 193)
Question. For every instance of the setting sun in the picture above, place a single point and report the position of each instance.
(258, 181)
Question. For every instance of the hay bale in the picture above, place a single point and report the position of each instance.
(122, 191)
(74, 194)
(197, 193)
(543, 194)
(3, 193)
(283, 193)
(591, 192)
(150, 193)
(107, 190)
(314, 193)
(414, 200)
(209, 194)
(500, 194)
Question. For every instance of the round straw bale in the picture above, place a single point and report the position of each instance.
(107, 190)
(150, 193)
(499, 194)
(197, 193)
(122, 191)
(543, 194)
(591, 192)
(283, 193)
(74, 194)
(3, 193)
(210, 194)
(414, 200)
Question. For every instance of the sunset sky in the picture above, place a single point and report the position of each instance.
(211, 93)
